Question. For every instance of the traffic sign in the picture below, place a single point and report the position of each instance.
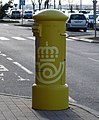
(22, 2)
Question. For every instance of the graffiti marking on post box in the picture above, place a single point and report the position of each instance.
(48, 73)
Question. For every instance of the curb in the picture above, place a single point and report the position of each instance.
(87, 109)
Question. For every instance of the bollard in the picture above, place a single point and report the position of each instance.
(49, 92)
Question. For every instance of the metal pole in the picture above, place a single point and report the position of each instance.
(22, 12)
(94, 7)
(80, 5)
(54, 4)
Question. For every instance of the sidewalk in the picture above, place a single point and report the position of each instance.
(19, 108)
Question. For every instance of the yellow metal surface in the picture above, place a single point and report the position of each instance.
(37, 28)
(50, 14)
(50, 98)
(49, 91)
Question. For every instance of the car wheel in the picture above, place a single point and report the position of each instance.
(85, 30)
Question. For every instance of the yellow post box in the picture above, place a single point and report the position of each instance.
(50, 91)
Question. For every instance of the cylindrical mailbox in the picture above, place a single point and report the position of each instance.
(50, 91)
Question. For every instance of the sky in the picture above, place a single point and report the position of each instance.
(85, 2)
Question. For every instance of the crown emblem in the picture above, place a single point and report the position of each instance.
(47, 53)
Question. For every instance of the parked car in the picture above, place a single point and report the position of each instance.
(91, 20)
(84, 11)
(77, 21)
(15, 14)
(28, 14)
(97, 23)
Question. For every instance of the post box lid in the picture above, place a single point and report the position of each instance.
(50, 14)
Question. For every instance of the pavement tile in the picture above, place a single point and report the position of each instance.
(18, 114)
(2, 103)
(2, 116)
(28, 114)
(6, 98)
(1, 99)
(67, 115)
(9, 103)
(27, 102)
(33, 118)
(22, 118)
(15, 99)
(46, 115)
(40, 114)
(4, 108)
(13, 107)
(86, 115)
(22, 107)
(8, 115)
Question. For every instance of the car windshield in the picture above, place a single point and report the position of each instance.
(77, 17)
(91, 17)
(16, 12)
(28, 11)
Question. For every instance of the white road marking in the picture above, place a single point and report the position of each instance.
(2, 68)
(5, 24)
(69, 39)
(21, 27)
(32, 38)
(4, 38)
(22, 67)
(3, 54)
(8, 58)
(72, 100)
(1, 78)
(1, 74)
(22, 79)
(88, 53)
(19, 38)
(94, 60)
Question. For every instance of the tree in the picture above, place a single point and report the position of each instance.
(60, 5)
(40, 2)
(46, 4)
(70, 5)
(33, 4)
(4, 7)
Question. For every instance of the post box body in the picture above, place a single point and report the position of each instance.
(50, 91)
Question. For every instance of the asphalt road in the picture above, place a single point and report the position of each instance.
(16, 60)
(17, 66)
(83, 73)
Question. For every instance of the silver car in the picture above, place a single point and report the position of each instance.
(77, 21)
(15, 14)
(97, 23)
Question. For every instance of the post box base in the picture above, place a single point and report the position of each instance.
(50, 97)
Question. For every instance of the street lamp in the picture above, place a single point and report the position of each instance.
(80, 5)
(60, 5)
(33, 5)
(54, 4)
(94, 9)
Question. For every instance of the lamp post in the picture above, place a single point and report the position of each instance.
(54, 4)
(33, 5)
(94, 9)
(80, 5)
(60, 5)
